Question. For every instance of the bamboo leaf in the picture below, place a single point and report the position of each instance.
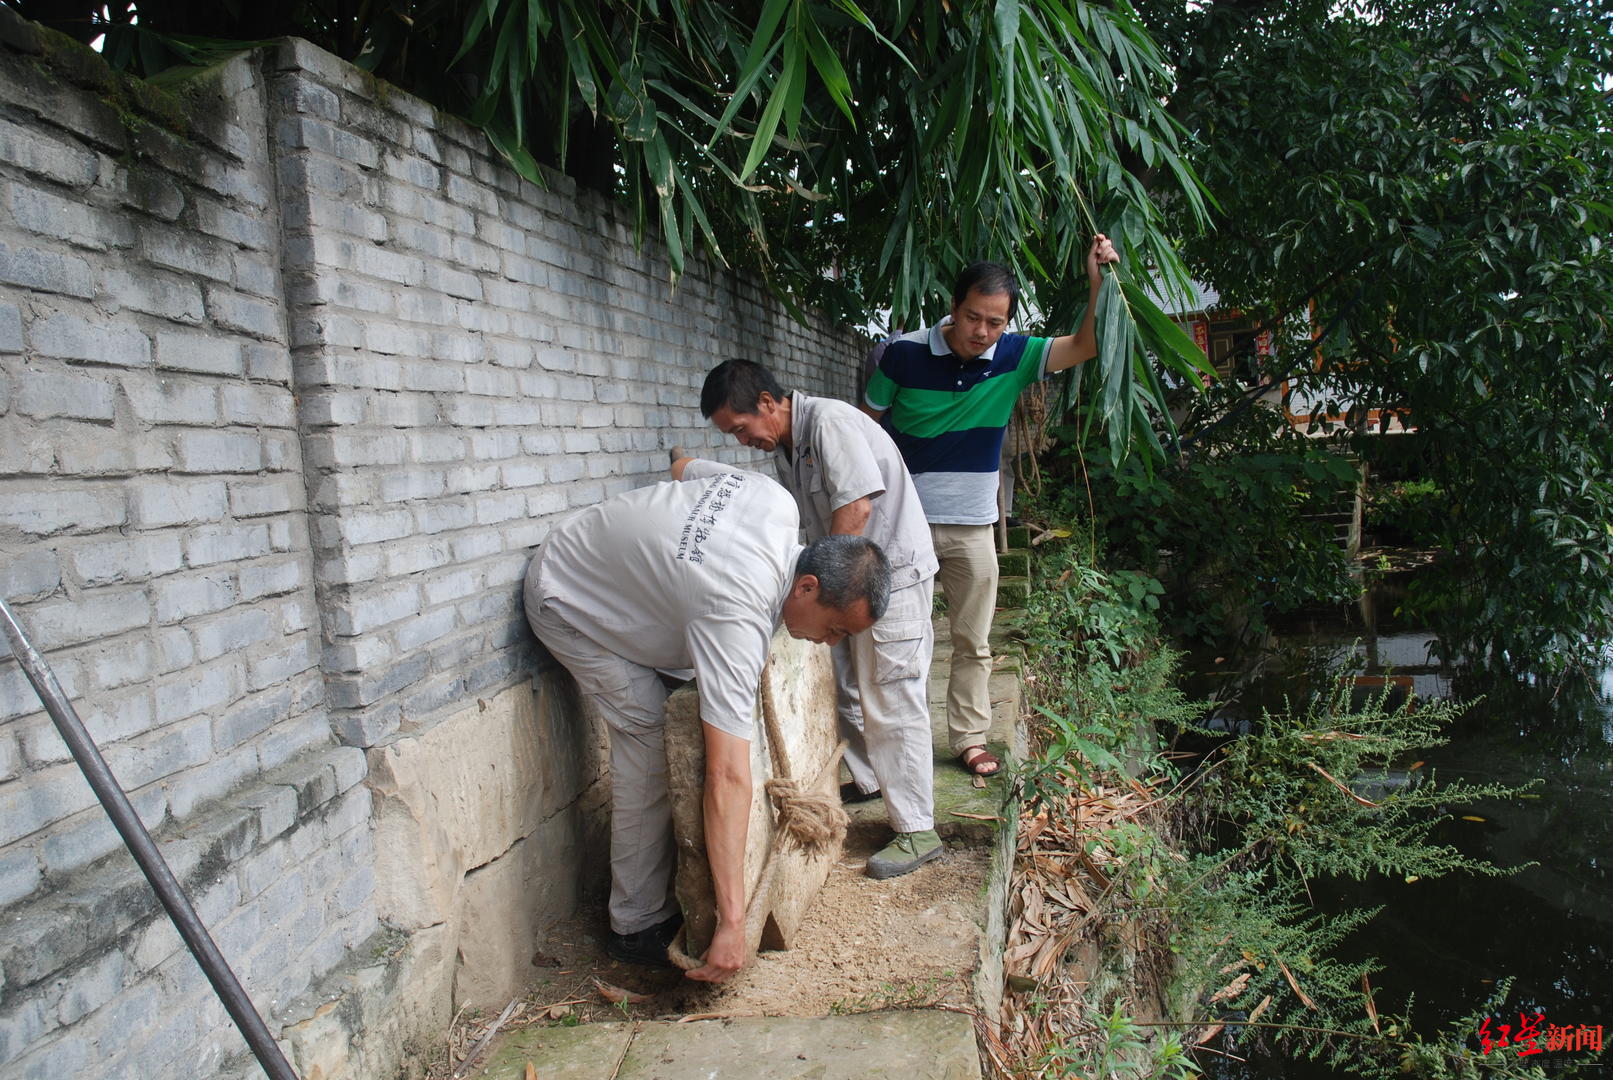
(1173, 345)
(638, 110)
(796, 92)
(830, 70)
(1007, 23)
(1112, 359)
(662, 172)
(517, 155)
(541, 24)
(517, 91)
(867, 24)
(582, 72)
(494, 81)
(1052, 143)
(692, 201)
(783, 92)
(481, 16)
(763, 47)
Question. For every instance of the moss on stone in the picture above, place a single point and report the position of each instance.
(135, 101)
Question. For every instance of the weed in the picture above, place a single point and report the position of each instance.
(1121, 1048)
(912, 995)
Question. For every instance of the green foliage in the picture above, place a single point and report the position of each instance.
(852, 156)
(1318, 791)
(1235, 530)
(1285, 785)
(1101, 682)
(1277, 813)
(1122, 1049)
(1407, 510)
(1435, 181)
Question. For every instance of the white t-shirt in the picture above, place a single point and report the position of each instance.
(678, 575)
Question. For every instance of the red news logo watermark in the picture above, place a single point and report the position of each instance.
(1534, 1036)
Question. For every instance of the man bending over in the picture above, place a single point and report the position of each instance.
(677, 576)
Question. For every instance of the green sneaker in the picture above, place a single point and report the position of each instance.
(909, 851)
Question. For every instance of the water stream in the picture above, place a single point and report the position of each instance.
(1448, 942)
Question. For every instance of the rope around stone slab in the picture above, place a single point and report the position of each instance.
(675, 953)
(813, 818)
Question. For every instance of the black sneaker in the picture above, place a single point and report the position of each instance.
(849, 793)
(647, 946)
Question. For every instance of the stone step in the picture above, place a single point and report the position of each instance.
(1013, 591)
(1015, 562)
(911, 1045)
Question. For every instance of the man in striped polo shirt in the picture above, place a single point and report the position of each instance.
(946, 394)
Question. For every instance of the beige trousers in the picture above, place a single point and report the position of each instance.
(968, 579)
(630, 698)
(883, 707)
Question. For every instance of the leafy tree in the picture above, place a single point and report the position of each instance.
(854, 156)
(1431, 183)
(1236, 535)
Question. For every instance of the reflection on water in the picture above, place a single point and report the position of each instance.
(1446, 942)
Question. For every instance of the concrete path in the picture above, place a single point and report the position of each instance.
(914, 1044)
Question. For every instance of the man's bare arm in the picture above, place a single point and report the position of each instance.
(1081, 346)
(851, 519)
(727, 811)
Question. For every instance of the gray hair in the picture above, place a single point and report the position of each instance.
(737, 385)
(848, 569)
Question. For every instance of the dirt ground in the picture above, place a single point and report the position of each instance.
(910, 941)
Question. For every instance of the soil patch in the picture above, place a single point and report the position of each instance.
(908, 942)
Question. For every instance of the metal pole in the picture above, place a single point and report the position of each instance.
(145, 852)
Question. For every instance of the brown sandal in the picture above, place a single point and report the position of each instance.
(979, 761)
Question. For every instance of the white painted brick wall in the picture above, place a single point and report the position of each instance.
(485, 451)
(151, 495)
(284, 406)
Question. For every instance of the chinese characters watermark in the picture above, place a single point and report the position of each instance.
(1533, 1035)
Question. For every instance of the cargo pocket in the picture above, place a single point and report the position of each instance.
(896, 649)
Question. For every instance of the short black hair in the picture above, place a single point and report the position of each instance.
(737, 384)
(988, 279)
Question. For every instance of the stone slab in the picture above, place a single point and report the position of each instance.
(912, 1045)
(584, 1052)
(509, 904)
(797, 691)
(459, 794)
(798, 686)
